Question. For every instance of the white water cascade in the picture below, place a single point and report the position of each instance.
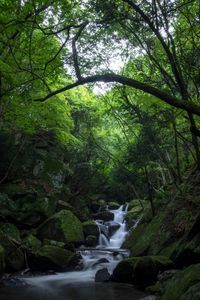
(116, 240)
(107, 255)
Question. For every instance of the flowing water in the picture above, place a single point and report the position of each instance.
(78, 285)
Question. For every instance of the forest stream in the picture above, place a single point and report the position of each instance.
(81, 284)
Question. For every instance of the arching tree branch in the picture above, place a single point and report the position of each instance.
(164, 96)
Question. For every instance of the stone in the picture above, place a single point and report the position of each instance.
(112, 227)
(100, 261)
(91, 241)
(32, 243)
(102, 275)
(104, 215)
(63, 226)
(53, 258)
(10, 230)
(90, 228)
(10, 241)
(141, 271)
(133, 215)
(141, 240)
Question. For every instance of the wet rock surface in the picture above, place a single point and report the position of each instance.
(102, 275)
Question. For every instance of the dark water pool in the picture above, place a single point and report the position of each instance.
(81, 291)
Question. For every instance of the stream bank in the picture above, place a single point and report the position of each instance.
(81, 284)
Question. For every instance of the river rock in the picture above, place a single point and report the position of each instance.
(100, 261)
(104, 215)
(91, 241)
(32, 243)
(112, 227)
(10, 241)
(53, 258)
(63, 226)
(141, 271)
(102, 275)
(133, 215)
(90, 228)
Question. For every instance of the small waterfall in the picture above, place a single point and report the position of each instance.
(103, 241)
(107, 254)
(117, 239)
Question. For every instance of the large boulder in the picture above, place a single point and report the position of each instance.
(53, 258)
(133, 215)
(90, 228)
(91, 241)
(104, 215)
(141, 271)
(32, 243)
(14, 256)
(63, 226)
(141, 240)
(10, 230)
(102, 275)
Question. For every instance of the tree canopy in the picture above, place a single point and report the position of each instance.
(148, 54)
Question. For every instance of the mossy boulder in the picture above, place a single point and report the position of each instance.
(104, 215)
(90, 228)
(135, 202)
(185, 285)
(91, 241)
(53, 258)
(2, 260)
(54, 243)
(141, 271)
(142, 238)
(10, 240)
(32, 243)
(10, 230)
(14, 256)
(63, 226)
(133, 215)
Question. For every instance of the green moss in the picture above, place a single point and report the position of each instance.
(133, 203)
(32, 242)
(133, 215)
(60, 257)
(10, 230)
(54, 243)
(142, 270)
(63, 226)
(183, 285)
(14, 257)
(90, 228)
(143, 236)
